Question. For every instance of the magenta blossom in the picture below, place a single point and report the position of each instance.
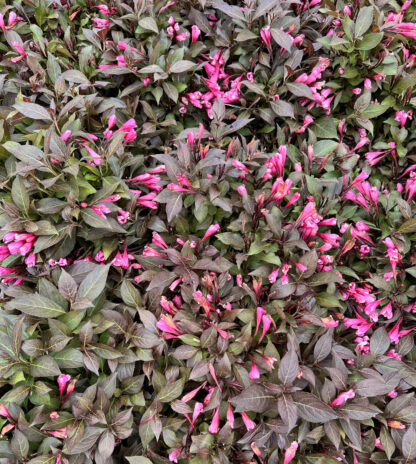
(267, 37)
(195, 33)
(63, 379)
(4, 411)
(254, 372)
(215, 423)
(212, 230)
(290, 452)
(342, 398)
(250, 424)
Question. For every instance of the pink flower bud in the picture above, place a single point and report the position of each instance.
(290, 452)
(342, 398)
(65, 136)
(6, 429)
(4, 411)
(230, 416)
(195, 33)
(242, 190)
(112, 120)
(63, 379)
(213, 229)
(250, 424)
(254, 372)
(190, 138)
(215, 423)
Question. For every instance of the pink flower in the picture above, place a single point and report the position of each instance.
(96, 158)
(250, 424)
(329, 322)
(280, 189)
(59, 433)
(213, 229)
(20, 50)
(238, 165)
(250, 77)
(267, 322)
(201, 131)
(121, 260)
(30, 260)
(182, 36)
(406, 29)
(290, 452)
(402, 116)
(393, 254)
(230, 416)
(378, 444)
(190, 136)
(100, 256)
(215, 423)
(158, 241)
(300, 266)
(360, 324)
(65, 136)
(63, 379)
(101, 23)
(195, 33)
(242, 190)
(274, 275)
(11, 22)
(178, 188)
(214, 375)
(101, 210)
(105, 10)
(293, 199)
(123, 216)
(395, 334)
(260, 312)
(54, 415)
(387, 311)
(128, 126)
(4, 411)
(342, 398)
(192, 393)
(111, 121)
(146, 81)
(6, 429)
(198, 408)
(392, 354)
(266, 36)
(173, 456)
(168, 325)
(254, 372)
(9, 237)
(4, 252)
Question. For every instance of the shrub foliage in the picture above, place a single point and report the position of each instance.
(207, 227)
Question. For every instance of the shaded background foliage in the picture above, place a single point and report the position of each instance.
(207, 221)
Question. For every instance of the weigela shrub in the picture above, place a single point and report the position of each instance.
(207, 232)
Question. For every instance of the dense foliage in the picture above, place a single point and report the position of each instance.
(208, 230)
